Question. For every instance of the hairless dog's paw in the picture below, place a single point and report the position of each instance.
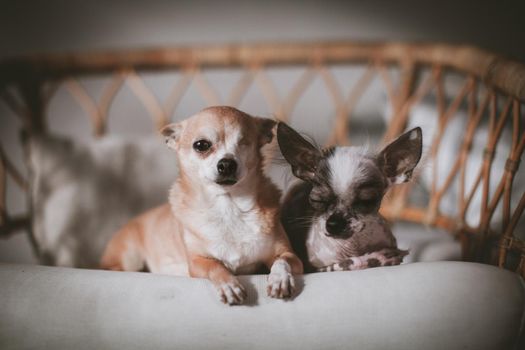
(388, 256)
(281, 283)
(384, 257)
(328, 268)
(232, 292)
(349, 264)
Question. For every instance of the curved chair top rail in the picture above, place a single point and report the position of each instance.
(494, 70)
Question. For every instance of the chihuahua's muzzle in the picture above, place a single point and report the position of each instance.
(227, 170)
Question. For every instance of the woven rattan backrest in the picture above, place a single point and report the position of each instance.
(491, 90)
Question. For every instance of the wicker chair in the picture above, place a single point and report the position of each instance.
(28, 83)
(492, 91)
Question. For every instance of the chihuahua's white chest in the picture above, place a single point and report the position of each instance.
(234, 231)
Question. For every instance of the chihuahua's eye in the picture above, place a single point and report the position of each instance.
(201, 145)
(320, 202)
(368, 197)
(366, 204)
(368, 194)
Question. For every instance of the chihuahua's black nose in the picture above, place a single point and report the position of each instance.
(335, 224)
(227, 167)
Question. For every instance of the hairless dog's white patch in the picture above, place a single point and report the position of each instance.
(344, 166)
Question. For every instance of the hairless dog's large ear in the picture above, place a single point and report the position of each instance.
(171, 133)
(398, 159)
(301, 154)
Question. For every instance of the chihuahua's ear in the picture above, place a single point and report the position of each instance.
(171, 133)
(301, 154)
(265, 128)
(400, 157)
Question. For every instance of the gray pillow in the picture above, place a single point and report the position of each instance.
(82, 193)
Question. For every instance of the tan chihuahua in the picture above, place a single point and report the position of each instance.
(222, 217)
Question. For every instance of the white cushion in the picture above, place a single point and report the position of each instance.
(426, 243)
(440, 305)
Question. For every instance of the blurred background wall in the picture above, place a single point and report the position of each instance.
(58, 25)
(74, 25)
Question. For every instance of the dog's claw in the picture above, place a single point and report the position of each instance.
(280, 285)
(232, 292)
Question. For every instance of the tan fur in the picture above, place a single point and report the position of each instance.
(148, 239)
(178, 238)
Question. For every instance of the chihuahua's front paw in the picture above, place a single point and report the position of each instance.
(281, 283)
(232, 292)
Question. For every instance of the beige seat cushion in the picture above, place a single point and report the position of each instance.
(439, 305)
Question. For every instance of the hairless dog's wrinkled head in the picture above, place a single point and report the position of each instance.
(348, 183)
